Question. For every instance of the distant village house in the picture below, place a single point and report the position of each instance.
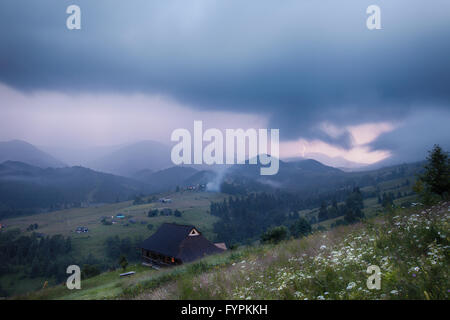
(82, 230)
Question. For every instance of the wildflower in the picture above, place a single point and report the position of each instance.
(394, 292)
(322, 247)
(351, 285)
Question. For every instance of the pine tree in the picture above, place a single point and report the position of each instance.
(300, 228)
(323, 213)
(436, 177)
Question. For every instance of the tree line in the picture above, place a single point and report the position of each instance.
(248, 218)
(35, 256)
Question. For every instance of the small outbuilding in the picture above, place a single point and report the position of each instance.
(174, 244)
(221, 245)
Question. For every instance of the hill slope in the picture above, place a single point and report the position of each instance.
(166, 179)
(409, 246)
(133, 158)
(171, 178)
(28, 188)
(17, 150)
(312, 177)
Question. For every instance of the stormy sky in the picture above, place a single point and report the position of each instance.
(138, 69)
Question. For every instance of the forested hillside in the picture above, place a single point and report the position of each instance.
(26, 189)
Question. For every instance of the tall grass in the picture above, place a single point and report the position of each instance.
(410, 247)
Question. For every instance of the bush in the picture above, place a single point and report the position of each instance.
(300, 228)
(275, 235)
(32, 227)
(89, 271)
(152, 213)
(106, 222)
(123, 262)
(166, 212)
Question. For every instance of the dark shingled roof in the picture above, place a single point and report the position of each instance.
(173, 240)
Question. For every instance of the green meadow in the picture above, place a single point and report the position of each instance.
(410, 246)
(193, 205)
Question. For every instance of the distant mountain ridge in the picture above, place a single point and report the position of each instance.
(166, 179)
(301, 175)
(128, 160)
(178, 176)
(28, 189)
(18, 150)
(145, 168)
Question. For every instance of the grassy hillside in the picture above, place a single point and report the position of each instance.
(193, 205)
(409, 245)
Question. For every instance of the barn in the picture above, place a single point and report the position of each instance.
(174, 244)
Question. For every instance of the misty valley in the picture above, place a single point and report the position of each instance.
(53, 217)
(214, 153)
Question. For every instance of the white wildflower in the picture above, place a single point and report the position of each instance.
(351, 285)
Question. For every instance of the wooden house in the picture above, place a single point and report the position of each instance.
(174, 244)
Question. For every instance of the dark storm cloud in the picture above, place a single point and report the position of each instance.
(416, 135)
(299, 62)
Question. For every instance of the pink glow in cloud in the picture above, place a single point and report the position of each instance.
(360, 152)
(56, 119)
